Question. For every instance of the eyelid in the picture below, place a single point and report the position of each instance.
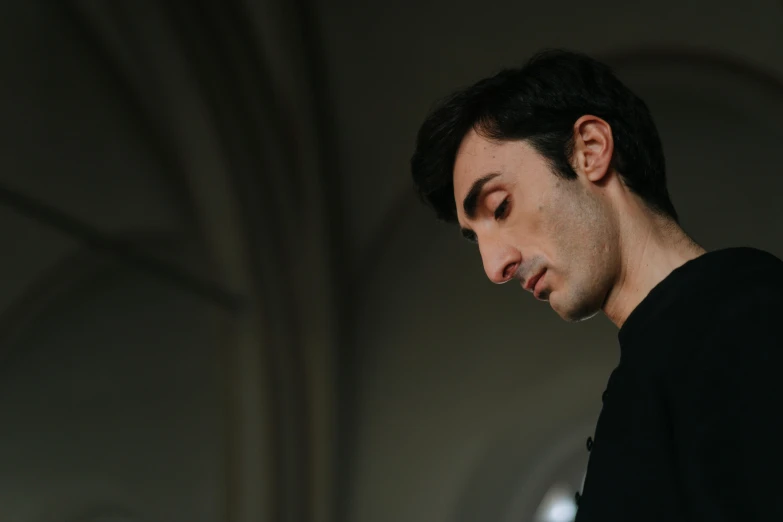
(502, 209)
(495, 197)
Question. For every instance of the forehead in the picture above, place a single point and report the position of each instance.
(475, 152)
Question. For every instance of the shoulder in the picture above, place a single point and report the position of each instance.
(732, 328)
(751, 295)
(733, 288)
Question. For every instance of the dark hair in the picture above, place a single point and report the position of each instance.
(539, 103)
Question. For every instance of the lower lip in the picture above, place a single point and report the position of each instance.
(539, 286)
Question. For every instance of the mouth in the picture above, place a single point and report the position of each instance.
(531, 283)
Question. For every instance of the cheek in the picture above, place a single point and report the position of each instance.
(538, 219)
(553, 236)
(519, 229)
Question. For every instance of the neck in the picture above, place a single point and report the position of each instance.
(651, 247)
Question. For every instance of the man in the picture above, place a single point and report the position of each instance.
(557, 172)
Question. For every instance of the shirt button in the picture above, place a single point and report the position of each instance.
(589, 443)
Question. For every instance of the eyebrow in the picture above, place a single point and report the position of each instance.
(471, 202)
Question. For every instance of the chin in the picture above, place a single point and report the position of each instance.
(574, 311)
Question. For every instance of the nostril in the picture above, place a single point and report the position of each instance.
(510, 270)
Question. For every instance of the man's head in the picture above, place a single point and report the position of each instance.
(534, 163)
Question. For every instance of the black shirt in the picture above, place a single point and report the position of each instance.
(692, 421)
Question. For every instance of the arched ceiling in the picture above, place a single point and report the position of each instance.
(387, 63)
(344, 89)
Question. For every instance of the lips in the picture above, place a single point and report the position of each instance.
(533, 281)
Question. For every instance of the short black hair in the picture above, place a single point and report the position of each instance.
(540, 102)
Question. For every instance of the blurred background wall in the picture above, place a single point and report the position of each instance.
(221, 300)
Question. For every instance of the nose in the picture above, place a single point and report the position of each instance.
(500, 262)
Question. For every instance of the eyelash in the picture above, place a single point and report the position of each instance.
(502, 209)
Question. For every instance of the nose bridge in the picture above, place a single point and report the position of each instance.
(498, 258)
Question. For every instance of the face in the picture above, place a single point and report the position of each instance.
(554, 236)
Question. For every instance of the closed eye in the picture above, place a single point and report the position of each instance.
(502, 210)
(469, 235)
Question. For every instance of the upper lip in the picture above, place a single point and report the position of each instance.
(531, 283)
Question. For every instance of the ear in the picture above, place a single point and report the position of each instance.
(593, 147)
